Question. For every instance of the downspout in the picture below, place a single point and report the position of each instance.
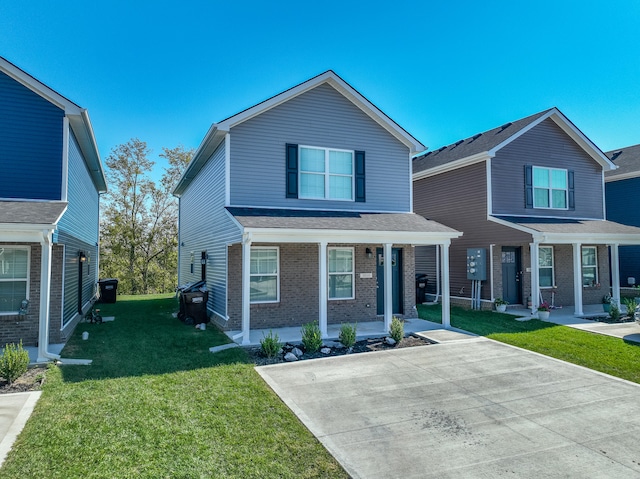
(45, 297)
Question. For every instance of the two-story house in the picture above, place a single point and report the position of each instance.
(50, 181)
(530, 194)
(622, 190)
(289, 209)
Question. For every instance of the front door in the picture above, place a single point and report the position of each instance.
(396, 276)
(511, 274)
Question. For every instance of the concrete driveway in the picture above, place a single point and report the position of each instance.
(465, 409)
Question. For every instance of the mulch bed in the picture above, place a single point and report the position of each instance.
(363, 346)
(609, 320)
(32, 380)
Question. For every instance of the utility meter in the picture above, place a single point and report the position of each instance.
(477, 264)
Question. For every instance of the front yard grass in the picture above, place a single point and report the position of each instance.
(157, 404)
(601, 353)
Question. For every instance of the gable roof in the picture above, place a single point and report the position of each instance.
(78, 119)
(628, 162)
(485, 145)
(217, 131)
(40, 213)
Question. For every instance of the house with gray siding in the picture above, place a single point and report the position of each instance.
(622, 191)
(289, 209)
(50, 184)
(530, 195)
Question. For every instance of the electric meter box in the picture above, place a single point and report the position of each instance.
(477, 264)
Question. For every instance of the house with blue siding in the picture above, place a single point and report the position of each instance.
(50, 189)
(299, 209)
(622, 189)
(529, 195)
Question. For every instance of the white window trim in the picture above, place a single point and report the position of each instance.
(353, 273)
(552, 267)
(28, 280)
(326, 173)
(582, 266)
(550, 188)
(277, 275)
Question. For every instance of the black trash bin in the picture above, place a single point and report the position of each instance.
(193, 303)
(421, 288)
(108, 290)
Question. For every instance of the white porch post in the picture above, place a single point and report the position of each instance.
(388, 287)
(577, 278)
(246, 289)
(322, 306)
(615, 273)
(535, 277)
(45, 298)
(446, 302)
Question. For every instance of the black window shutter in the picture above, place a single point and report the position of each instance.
(292, 170)
(528, 186)
(361, 196)
(571, 191)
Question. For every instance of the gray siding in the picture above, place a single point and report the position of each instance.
(82, 215)
(321, 117)
(205, 226)
(425, 257)
(545, 145)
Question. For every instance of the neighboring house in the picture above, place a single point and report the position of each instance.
(622, 188)
(289, 208)
(531, 194)
(49, 194)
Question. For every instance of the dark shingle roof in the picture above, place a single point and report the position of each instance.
(572, 226)
(626, 159)
(335, 220)
(31, 212)
(476, 144)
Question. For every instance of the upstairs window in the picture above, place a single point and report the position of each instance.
(14, 278)
(326, 174)
(550, 188)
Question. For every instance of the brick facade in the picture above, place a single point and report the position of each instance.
(299, 296)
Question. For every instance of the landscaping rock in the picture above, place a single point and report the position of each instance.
(298, 353)
(325, 350)
(290, 357)
(390, 341)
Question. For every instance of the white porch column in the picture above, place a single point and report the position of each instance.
(577, 279)
(446, 302)
(615, 273)
(45, 299)
(388, 287)
(246, 289)
(322, 306)
(535, 277)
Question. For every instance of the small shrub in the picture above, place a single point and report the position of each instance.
(270, 344)
(311, 337)
(397, 329)
(614, 312)
(14, 362)
(347, 335)
(631, 305)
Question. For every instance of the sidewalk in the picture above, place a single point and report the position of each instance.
(15, 410)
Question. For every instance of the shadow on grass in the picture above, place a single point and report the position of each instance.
(144, 339)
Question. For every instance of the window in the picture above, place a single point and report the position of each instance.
(326, 173)
(14, 278)
(589, 266)
(550, 188)
(545, 266)
(341, 273)
(264, 274)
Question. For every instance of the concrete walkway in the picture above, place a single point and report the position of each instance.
(15, 409)
(471, 408)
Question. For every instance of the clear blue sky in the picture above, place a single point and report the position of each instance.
(164, 71)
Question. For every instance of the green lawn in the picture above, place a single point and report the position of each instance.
(601, 353)
(157, 404)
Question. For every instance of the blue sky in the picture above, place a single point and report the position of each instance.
(164, 71)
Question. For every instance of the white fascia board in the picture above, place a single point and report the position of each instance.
(622, 176)
(346, 90)
(508, 224)
(280, 235)
(590, 239)
(24, 233)
(453, 165)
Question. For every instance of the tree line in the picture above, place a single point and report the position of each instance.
(139, 219)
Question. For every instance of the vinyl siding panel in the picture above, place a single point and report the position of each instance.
(425, 257)
(623, 206)
(82, 215)
(545, 145)
(321, 117)
(205, 226)
(30, 144)
(458, 199)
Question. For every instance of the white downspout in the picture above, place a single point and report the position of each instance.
(446, 295)
(45, 297)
